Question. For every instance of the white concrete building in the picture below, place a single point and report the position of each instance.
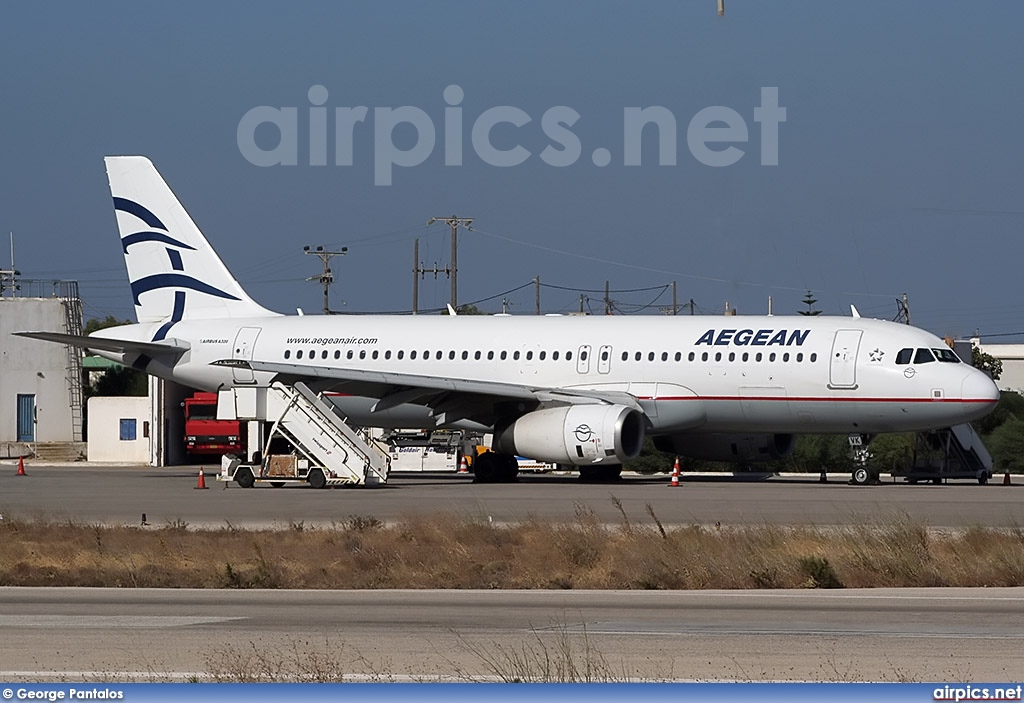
(40, 382)
(120, 429)
(1012, 356)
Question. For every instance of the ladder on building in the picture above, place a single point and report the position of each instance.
(72, 305)
(346, 455)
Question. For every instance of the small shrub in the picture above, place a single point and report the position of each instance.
(819, 572)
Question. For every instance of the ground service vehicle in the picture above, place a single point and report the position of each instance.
(204, 433)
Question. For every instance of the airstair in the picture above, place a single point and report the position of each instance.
(952, 452)
(324, 449)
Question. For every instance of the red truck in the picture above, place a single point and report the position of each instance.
(204, 433)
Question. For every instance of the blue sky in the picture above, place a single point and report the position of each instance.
(900, 164)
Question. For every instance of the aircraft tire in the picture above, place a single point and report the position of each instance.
(485, 468)
(244, 477)
(316, 479)
(277, 484)
(861, 476)
(601, 474)
(508, 468)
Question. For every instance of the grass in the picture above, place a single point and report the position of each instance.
(456, 551)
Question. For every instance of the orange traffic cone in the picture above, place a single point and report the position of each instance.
(463, 465)
(202, 480)
(1006, 479)
(21, 466)
(675, 474)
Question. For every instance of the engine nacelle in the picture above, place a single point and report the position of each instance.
(737, 448)
(580, 435)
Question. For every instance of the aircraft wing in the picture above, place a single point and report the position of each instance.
(122, 346)
(456, 398)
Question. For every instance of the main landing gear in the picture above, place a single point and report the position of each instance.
(491, 467)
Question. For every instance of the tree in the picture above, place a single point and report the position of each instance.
(986, 362)
(95, 324)
(1010, 406)
(809, 301)
(1006, 444)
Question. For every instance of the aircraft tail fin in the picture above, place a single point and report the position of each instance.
(175, 274)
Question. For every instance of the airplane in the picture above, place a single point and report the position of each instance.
(576, 391)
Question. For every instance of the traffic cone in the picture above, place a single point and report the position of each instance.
(21, 466)
(202, 480)
(675, 474)
(823, 477)
(463, 465)
(1006, 479)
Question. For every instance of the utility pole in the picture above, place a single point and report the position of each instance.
(454, 222)
(327, 277)
(904, 310)
(675, 307)
(536, 282)
(607, 300)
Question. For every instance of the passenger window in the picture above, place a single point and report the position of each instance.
(923, 356)
(554, 356)
(625, 356)
(515, 355)
(718, 356)
(814, 356)
(451, 355)
(438, 354)
(490, 356)
(771, 357)
(362, 354)
(692, 356)
(758, 357)
(337, 353)
(312, 353)
(412, 354)
(746, 356)
(323, 354)
(732, 356)
(664, 356)
(583, 356)
(529, 356)
(465, 356)
(401, 353)
(568, 356)
(800, 356)
(604, 355)
(504, 355)
(374, 353)
(639, 356)
(476, 356)
(904, 356)
(543, 355)
(679, 356)
(387, 354)
(650, 356)
(785, 357)
(287, 353)
(349, 355)
(704, 356)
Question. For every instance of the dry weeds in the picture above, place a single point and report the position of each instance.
(453, 551)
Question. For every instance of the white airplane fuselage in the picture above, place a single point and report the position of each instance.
(774, 374)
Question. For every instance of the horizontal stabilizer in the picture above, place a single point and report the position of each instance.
(121, 346)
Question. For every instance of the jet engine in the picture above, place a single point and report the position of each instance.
(580, 435)
(737, 448)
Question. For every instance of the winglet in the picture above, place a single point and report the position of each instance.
(854, 311)
(451, 310)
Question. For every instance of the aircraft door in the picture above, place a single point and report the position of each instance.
(583, 359)
(842, 372)
(604, 359)
(245, 341)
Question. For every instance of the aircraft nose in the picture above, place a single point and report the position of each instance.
(979, 393)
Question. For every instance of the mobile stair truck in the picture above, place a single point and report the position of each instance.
(307, 441)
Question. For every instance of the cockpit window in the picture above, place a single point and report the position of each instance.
(904, 356)
(923, 356)
(947, 355)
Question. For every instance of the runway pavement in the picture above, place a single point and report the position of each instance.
(122, 495)
(949, 635)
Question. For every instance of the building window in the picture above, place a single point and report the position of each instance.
(128, 429)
